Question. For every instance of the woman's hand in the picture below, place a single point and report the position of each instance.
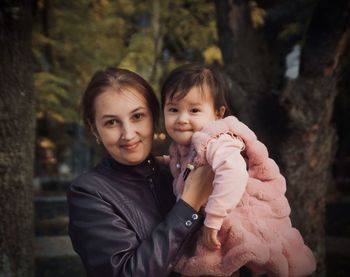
(198, 187)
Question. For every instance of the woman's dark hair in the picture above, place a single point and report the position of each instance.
(118, 79)
(180, 81)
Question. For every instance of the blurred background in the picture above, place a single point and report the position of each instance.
(72, 40)
(288, 66)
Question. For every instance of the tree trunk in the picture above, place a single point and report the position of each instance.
(16, 140)
(292, 117)
(307, 154)
(310, 148)
(159, 8)
(250, 65)
(46, 17)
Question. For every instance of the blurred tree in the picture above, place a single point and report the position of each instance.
(73, 39)
(284, 59)
(82, 36)
(173, 33)
(16, 139)
(190, 34)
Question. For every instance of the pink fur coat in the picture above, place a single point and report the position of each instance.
(248, 206)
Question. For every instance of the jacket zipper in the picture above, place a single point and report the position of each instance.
(152, 186)
(154, 194)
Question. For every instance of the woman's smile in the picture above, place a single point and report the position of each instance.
(131, 146)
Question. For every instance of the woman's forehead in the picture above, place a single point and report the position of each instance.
(119, 101)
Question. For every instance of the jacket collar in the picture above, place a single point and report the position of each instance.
(144, 169)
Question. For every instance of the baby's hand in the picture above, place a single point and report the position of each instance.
(210, 238)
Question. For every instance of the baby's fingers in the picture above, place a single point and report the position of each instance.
(210, 239)
(216, 244)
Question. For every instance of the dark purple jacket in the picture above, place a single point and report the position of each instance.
(124, 220)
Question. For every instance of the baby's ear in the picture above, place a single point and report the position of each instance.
(220, 112)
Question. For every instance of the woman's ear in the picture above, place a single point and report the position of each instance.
(92, 128)
(94, 132)
(220, 112)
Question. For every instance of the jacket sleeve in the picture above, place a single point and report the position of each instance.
(108, 246)
(224, 155)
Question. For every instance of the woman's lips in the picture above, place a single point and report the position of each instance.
(130, 146)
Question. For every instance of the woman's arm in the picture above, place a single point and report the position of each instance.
(109, 246)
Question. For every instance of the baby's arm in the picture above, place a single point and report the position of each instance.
(231, 176)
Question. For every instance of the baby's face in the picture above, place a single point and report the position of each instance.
(185, 116)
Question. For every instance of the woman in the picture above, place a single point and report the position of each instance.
(123, 217)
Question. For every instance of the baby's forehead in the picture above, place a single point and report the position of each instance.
(195, 95)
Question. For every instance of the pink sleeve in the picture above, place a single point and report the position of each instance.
(231, 176)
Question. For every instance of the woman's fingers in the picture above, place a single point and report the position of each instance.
(198, 187)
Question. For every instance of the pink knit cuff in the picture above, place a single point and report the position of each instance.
(214, 222)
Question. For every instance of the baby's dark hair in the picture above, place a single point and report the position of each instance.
(180, 81)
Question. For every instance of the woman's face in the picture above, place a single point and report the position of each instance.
(123, 122)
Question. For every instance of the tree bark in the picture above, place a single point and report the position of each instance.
(17, 126)
(159, 9)
(306, 155)
(293, 117)
(250, 63)
(46, 17)
(309, 150)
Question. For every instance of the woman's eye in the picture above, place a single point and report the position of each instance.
(138, 116)
(111, 122)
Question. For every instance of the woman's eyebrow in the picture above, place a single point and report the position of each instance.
(109, 116)
(138, 109)
(115, 116)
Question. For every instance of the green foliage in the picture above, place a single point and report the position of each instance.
(51, 94)
(140, 54)
(191, 29)
(80, 37)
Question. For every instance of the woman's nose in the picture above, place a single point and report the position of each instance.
(128, 132)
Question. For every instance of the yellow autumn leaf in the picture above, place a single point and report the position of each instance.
(212, 54)
(257, 14)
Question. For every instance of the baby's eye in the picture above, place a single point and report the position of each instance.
(195, 110)
(172, 110)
